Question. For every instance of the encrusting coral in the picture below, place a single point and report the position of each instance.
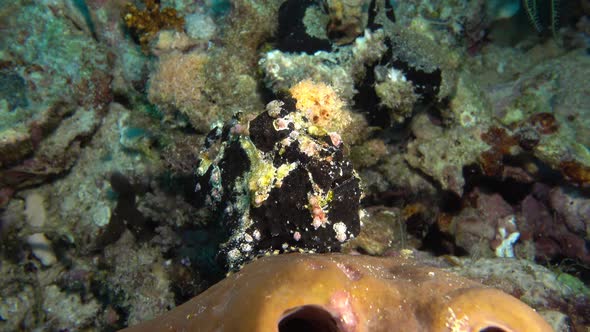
(335, 292)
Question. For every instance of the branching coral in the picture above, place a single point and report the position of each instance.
(145, 24)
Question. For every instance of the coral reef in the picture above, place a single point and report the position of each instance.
(485, 228)
(302, 27)
(535, 285)
(340, 70)
(175, 72)
(396, 94)
(556, 221)
(136, 166)
(443, 152)
(68, 311)
(139, 274)
(546, 129)
(206, 81)
(384, 230)
(60, 88)
(322, 106)
(348, 293)
(348, 19)
(75, 214)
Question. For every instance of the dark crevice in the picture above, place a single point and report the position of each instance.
(367, 101)
(372, 14)
(512, 191)
(439, 243)
(266, 94)
(126, 215)
(122, 99)
(426, 84)
(389, 12)
(291, 35)
(310, 318)
(492, 329)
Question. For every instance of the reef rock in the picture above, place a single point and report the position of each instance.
(557, 221)
(335, 292)
(54, 90)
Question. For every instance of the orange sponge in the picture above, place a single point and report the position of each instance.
(336, 292)
(322, 105)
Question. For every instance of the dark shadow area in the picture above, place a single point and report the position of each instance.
(309, 318)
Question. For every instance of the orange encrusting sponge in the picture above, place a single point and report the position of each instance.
(336, 292)
(322, 105)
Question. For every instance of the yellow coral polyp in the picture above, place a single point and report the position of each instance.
(321, 105)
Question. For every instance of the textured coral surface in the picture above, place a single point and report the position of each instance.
(335, 292)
